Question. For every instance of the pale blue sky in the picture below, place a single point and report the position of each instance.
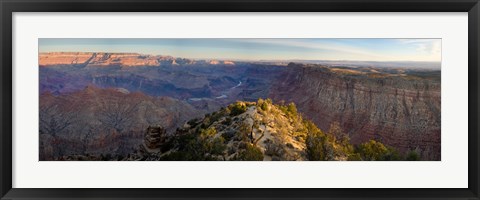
(259, 49)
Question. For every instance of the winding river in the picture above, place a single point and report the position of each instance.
(224, 94)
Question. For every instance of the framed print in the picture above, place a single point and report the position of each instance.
(250, 100)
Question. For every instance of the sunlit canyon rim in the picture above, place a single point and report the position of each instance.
(129, 106)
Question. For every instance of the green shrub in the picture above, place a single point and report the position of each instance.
(290, 145)
(193, 122)
(292, 110)
(315, 143)
(244, 131)
(251, 153)
(376, 151)
(392, 155)
(412, 156)
(216, 116)
(229, 134)
(274, 149)
(321, 146)
(227, 121)
(311, 128)
(268, 100)
(205, 145)
(176, 156)
(217, 146)
(354, 157)
(237, 108)
(208, 133)
(263, 104)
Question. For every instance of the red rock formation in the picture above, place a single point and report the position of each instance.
(228, 62)
(63, 58)
(214, 62)
(113, 59)
(98, 59)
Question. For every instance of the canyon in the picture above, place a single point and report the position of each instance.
(398, 106)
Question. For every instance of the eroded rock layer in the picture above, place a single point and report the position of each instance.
(401, 112)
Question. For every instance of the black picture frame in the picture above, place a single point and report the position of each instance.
(7, 7)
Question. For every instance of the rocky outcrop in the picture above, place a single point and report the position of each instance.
(154, 138)
(229, 133)
(403, 112)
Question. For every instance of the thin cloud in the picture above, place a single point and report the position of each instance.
(429, 46)
(315, 46)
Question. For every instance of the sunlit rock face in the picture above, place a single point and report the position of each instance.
(114, 59)
(98, 59)
(63, 58)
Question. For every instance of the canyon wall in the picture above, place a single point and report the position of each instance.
(402, 112)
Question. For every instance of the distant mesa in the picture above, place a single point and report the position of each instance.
(228, 63)
(214, 62)
(218, 62)
(100, 59)
(63, 58)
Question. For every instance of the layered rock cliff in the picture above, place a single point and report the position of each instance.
(400, 111)
(90, 59)
(106, 121)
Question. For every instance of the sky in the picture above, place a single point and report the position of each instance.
(257, 49)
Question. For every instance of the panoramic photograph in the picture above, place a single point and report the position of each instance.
(239, 99)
